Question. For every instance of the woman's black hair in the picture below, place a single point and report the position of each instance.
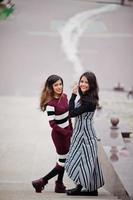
(52, 79)
(92, 94)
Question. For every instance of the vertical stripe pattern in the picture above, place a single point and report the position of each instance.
(82, 164)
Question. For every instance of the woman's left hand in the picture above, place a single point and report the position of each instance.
(75, 89)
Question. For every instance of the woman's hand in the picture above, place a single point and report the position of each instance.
(75, 89)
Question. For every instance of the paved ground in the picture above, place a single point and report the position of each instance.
(26, 151)
(24, 192)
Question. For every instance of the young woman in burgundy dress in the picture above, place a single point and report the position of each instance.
(55, 103)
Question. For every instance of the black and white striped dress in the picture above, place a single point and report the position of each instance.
(82, 164)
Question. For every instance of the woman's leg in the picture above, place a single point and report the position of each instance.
(51, 174)
(57, 170)
(40, 183)
(59, 186)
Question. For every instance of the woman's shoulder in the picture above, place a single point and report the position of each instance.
(52, 102)
(64, 95)
(87, 103)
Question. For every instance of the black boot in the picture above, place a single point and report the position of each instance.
(74, 191)
(87, 193)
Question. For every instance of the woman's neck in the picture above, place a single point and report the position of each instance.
(56, 96)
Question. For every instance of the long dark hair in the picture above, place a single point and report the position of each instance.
(48, 92)
(92, 94)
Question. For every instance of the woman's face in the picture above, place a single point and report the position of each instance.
(58, 88)
(84, 84)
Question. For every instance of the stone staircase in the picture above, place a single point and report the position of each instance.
(23, 191)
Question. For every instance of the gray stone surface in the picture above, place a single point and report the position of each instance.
(27, 152)
(118, 162)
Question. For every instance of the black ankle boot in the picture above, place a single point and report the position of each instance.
(74, 191)
(87, 193)
(93, 193)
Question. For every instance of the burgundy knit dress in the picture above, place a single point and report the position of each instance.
(58, 114)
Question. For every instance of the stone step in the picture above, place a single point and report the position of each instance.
(22, 191)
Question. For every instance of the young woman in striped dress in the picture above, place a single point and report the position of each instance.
(82, 164)
(55, 102)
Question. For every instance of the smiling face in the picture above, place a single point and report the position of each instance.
(58, 88)
(84, 84)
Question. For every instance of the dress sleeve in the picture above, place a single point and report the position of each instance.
(75, 111)
(51, 116)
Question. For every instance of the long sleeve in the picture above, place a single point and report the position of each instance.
(51, 116)
(75, 111)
